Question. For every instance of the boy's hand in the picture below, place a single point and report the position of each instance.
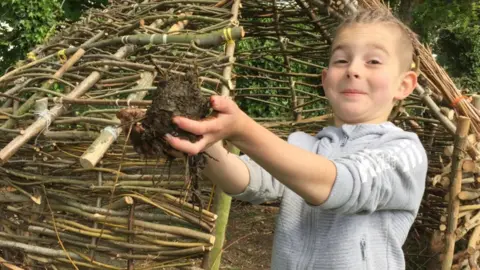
(227, 123)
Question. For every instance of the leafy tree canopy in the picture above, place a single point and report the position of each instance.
(24, 24)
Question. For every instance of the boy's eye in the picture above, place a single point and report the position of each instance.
(340, 61)
(374, 62)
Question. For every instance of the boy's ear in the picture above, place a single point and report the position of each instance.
(407, 85)
(324, 75)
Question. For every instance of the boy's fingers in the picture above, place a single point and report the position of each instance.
(187, 146)
(196, 127)
(221, 103)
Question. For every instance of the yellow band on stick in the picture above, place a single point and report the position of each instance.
(63, 57)
(227, 34)
(31, 56)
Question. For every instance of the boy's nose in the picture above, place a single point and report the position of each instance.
(353, 71)
(353, 75)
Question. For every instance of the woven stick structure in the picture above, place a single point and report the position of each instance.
(73, 192)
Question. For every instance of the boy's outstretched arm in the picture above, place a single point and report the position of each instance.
(228, 171)
(307, 174)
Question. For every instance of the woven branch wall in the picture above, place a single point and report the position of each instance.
(68, 172)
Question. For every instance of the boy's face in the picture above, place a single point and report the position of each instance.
(365, 74)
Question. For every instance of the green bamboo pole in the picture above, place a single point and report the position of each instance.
(222, 209)
(202, 40)
(222, 203)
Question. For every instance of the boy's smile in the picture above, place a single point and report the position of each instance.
(365, 74)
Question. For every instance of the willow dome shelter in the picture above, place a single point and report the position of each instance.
(73, 191)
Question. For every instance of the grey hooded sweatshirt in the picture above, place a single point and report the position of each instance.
(381, 172)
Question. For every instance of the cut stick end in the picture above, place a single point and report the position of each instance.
(86, 164)
(211, 240)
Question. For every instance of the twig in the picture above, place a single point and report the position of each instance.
(56, 231)
(455, 188)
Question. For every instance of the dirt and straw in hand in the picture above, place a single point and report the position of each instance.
(176, 95)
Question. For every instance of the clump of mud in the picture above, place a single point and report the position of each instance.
(176, 95)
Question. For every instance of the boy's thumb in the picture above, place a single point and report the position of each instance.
(221, 103)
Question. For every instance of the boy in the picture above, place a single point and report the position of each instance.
(349, 194)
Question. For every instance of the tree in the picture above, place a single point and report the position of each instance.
(24, 24)
(452, 31)
(450, 28)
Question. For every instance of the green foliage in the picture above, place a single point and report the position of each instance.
(272, 62)
(24, 24)
(264, 53)
(251, 107)
(73, 9)
(452, 29)
(30, 22)
(433, 16)
(460, 55)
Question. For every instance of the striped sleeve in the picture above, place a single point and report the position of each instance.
(389, 176)
(262, 186)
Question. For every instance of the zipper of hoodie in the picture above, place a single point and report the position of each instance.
(363, 248)
(307, 247)
(344, 140)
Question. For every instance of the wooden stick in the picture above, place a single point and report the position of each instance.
(180, 25)
(455, 188)
(26, 106)
(189, 205)
(450, 114)
(476, 101)
(210, 239)
(31, 101)
(9, 265)
(41, 123)
(435, 109)
(12, 97)
(469, 207)
(112, 102)
(222, 201)
(469, 166)
(38, 250)
(474, 153)
(473, 260)
(202, 40)
(461, 264)
(57, 110)
(131, 237)
(100, 146)
(468, 195)
(475, 219)
(472, 242)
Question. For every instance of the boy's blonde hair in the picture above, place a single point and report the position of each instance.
(382, 16)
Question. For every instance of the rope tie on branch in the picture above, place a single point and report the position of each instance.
(151, 40)
(457, 100)
(112, 130)
(45, 114)
(59, 101)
